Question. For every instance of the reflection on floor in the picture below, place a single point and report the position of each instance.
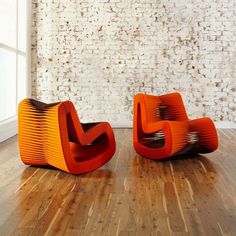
(130, 195)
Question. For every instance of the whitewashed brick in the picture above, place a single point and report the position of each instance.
(99, 54)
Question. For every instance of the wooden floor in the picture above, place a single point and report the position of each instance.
(130, 195)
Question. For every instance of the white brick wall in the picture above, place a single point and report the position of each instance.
(99, 53)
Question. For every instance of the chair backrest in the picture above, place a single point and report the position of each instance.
(175, 107)
(152, 106)
(45, 131)
(164, 107)
(39, 134)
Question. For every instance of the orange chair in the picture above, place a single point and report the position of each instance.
(51, 134)
(161, 128)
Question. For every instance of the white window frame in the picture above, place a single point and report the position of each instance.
(8, 127)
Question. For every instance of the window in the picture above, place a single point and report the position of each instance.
(13, 55)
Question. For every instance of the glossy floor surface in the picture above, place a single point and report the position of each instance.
(130, 195)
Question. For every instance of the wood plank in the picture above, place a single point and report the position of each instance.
(130, 195)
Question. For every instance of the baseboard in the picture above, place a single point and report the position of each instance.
(225, 125)
(218, 124)
(8, 129)
(120, 125)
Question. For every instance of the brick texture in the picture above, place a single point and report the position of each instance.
(99, 53)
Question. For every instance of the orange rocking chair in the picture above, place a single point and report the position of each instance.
(161, 128)
(51, 134)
